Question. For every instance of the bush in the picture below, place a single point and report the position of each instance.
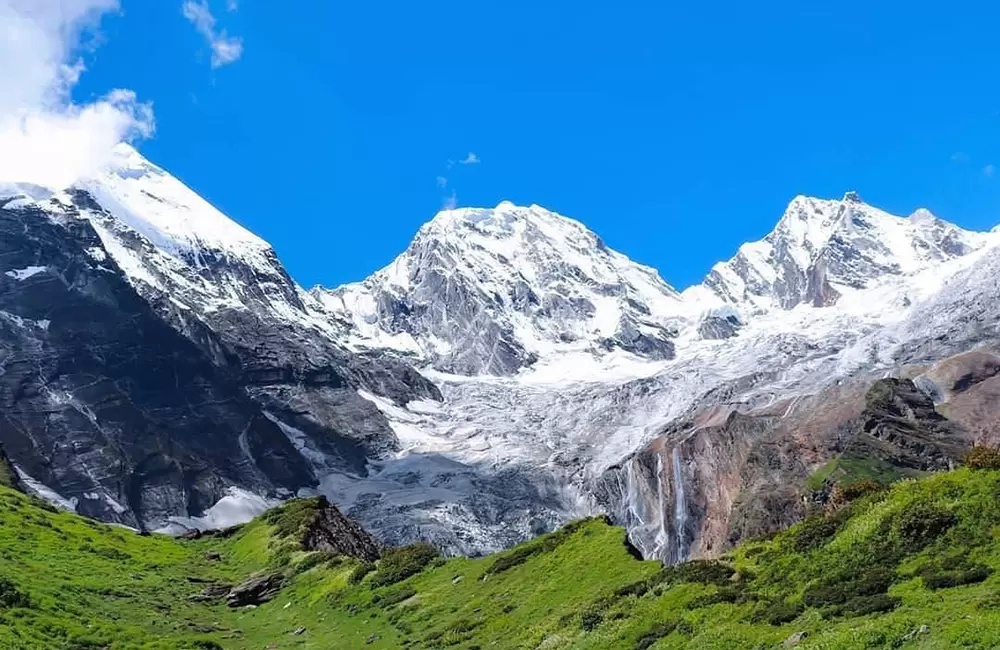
(706, 572)
(394, 596)
(654, 634)
(874, 604)
(777, 613)
(848, 492)
(920, 524)
(970, 575)
(11, 596)
(359, 572)
(401, 563)
(816, 531)
(853, 594)
(722, 595)
(591, 619)
(316, 559)
(983, 457)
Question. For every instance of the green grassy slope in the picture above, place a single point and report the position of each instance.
(907, 567)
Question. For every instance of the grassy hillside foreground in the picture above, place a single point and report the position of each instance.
(908, 567)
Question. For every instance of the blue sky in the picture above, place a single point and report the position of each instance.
(675, 132)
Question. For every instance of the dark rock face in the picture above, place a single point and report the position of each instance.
(331, 531)
(715, 328)
(901, 427)
(211, 592)
(256, 591)
(104, 402)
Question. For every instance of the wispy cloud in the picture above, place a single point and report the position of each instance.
(989, 171)
(226, 49)
(45, 137)
(232, 5)
(450, 201)
(959, 157)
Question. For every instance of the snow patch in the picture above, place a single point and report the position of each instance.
(23, 274)
(237, 507)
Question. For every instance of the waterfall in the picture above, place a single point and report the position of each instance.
(680, 508)
(662, 541)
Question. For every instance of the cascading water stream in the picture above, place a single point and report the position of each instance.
(662, 541)
(680, 508)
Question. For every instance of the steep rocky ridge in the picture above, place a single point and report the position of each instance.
(106, 404)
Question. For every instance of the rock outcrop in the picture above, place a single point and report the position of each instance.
(256, 590)
(332, 532)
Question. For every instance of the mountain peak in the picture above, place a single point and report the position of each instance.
(492, 290)
(821, 248)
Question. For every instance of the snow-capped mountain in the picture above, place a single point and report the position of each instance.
(506, 373)
(206, 370)
(491, 291)
(821, 249)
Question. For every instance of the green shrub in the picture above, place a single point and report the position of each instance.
(394, 596)
(921, 523)
(591, 619)
(777, 612)
(722, 595)
(401, 563)
(840, 589)
(359, 572)
(973, 574)
(816, 531)
(983, 457)
(11, 596)
(850, 492)
(316, 559)
(705, 572)
(648, 638)
(864, 605)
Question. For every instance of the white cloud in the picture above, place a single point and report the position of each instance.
(989, 171)
(450, 201)
(442, 181)
(471, 159)
(959, 157)
(226, 49)
(45, 138)
(232, 5)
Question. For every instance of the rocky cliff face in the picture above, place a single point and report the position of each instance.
(106, 404)
(728, 475)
